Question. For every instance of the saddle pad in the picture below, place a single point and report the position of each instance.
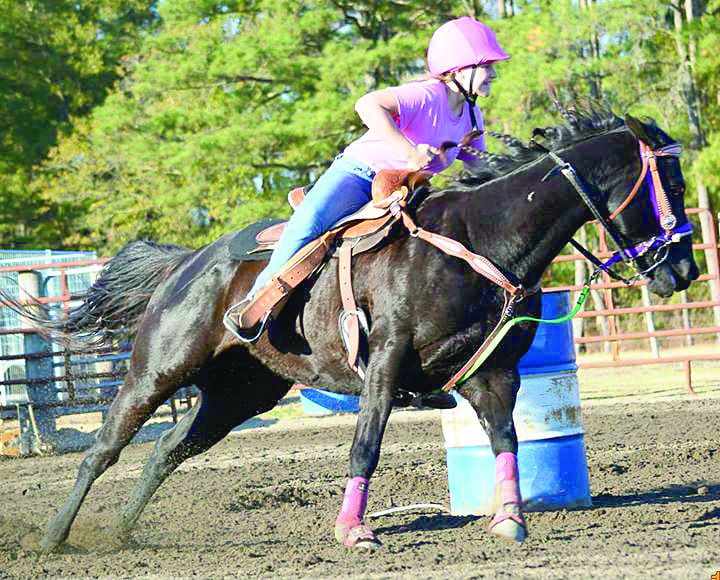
(244, 241)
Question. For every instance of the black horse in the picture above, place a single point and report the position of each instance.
(428, 313)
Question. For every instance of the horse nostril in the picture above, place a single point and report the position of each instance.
(687, 270)
(683, 264)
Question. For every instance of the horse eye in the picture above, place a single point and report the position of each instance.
(672, 178)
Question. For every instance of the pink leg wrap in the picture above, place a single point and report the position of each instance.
(354, 502)
(507, 487)
(506, 478)
(350, 529)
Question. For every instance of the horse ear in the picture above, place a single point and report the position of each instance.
(638, 129)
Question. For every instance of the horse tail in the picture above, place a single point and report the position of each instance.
(114, 305)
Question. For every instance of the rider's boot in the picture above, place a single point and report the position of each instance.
(248, 318)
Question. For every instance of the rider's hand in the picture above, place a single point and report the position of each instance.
(421, 155)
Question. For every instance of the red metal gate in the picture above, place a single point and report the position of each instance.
(708, 284)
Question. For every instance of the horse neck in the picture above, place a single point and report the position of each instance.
(535, 220)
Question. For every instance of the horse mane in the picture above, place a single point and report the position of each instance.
(582, 121)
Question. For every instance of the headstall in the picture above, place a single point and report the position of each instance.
(669, 232)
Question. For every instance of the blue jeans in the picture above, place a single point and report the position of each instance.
(343, 189)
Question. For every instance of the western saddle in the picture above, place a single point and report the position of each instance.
(353, 234)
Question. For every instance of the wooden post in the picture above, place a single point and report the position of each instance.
(580, 274)
(650, 322)
(688, 378)
(30, 284)
(686, 318)
(612, 321)
(35, 430)
(709, 236)
(24, 445)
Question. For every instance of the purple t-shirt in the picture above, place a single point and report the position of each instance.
(424, 117)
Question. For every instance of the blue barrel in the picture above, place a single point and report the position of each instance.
(316, 402)
(551, 450)
(552, 349)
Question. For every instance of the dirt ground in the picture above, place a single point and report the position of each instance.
(262, 504)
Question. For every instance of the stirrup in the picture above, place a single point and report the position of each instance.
(234, 329)
(364, 327)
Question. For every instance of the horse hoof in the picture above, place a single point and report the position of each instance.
(44, 545)
(359, 536)
(509, 523)
(510, 530)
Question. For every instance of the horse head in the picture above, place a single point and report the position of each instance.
(657, 214)
(629, 177)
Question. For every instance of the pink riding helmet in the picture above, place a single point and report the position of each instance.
(461, 43)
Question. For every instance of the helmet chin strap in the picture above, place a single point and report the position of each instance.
(470, 96)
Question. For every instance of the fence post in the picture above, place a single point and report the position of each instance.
(612, 321)
(686, 318)
(713, 263)
(709, 235)
(650, 321)
(42, 368)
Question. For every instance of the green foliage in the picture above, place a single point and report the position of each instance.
(212, 116)
(58, 59)
(225, 108)
(632, 67)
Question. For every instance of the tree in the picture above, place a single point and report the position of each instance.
(58, 59)
(229, 104)
(224, 109)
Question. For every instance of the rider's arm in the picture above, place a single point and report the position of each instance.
(378, 110)
(471, 161)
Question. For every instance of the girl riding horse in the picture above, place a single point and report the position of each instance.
(428, 311)
(407, 125)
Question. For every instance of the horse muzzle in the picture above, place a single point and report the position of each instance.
(677, 271)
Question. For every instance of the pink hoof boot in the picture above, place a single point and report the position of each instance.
(508, 521)
(350, 529)
(357, 536)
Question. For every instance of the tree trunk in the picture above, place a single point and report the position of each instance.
(692, 9)
(593, 46)
(505, 8)
(472, 8)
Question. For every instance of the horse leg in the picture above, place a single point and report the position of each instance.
(216, 413)
(492, 396)
(136, 401)
(375, 406)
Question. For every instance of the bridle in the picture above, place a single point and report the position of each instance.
(670, 233)
(659, 245)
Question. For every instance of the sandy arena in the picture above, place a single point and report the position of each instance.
(262, 503)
